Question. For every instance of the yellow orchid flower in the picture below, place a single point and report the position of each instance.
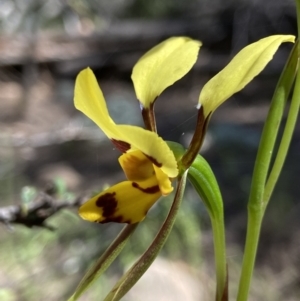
(147, 161)
(247, 64)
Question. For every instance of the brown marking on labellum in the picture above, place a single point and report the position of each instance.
(118, 219)
(128, 221)
(121, 145)
(115, 219)
(149, 190)
(154, 161)
(108, 203)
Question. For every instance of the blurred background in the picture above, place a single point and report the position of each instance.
(48, 146)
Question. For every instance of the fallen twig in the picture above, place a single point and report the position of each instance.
(36, 212)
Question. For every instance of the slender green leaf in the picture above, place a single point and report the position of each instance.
(289, 126)
(259, 197)
(203, 179)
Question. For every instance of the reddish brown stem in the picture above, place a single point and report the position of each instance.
(197, 139)
(149, 118)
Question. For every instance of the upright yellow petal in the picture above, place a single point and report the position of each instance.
(126, 202)
(248, 63)
(88, 97)
(163, 65)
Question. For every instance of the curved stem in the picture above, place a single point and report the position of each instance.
(129, 279)
(104, 261)
(197, 140)
(149, 118)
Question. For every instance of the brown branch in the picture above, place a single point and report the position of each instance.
(36, 212)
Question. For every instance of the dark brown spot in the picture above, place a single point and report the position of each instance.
(114, 219)
(121, 145)
(118, 219)
(154, 161)
(150, 190)
(108, 203)
(197, 140)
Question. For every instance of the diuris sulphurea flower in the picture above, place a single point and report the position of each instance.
(147, 160)
(150, 164)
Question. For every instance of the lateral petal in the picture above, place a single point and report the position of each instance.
(126, 202)
(89, 100)
(248, 63)
(162, 66)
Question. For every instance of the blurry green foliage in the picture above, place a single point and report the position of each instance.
(28, 193)
(48, 265)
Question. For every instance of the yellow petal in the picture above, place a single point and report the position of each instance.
(248, 63)
(164, 182)
(136, 166)
(163, 65)
(153, 146)
(89, 99)
(126, 202)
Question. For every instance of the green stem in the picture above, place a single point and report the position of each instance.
(104, 261)
(256, 206)
(298, 18)
(129, 279)
(253, 230)
(285, 142)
